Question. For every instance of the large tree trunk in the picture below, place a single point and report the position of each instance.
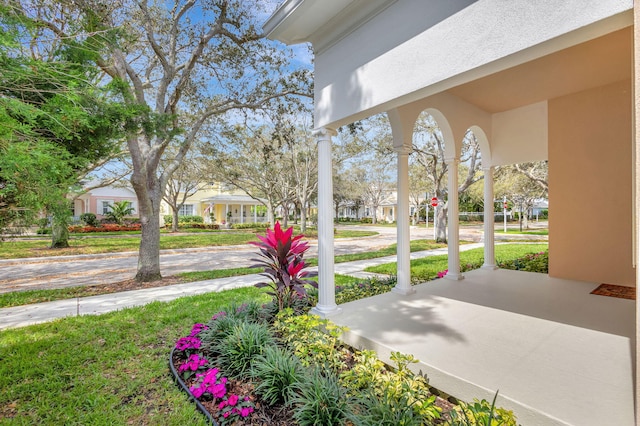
(441, 224)
(59, 232)
(149, 196)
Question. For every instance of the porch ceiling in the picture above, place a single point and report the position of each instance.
(595, 63)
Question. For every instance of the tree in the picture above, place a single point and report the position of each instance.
(419, 187)
(262, 173)
(374, 183)
(56, 120)
(179, 65)
(428, 151)
(185, 181)
(301, 153)
(520, 188)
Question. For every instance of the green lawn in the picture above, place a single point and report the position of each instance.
(103, 370)
(427, 268)
(524, 231)
(94, 245)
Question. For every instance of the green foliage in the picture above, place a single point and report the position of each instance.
(482, 413)
(359, 288)
(241, 346)
(89, 219)
(258, 225)
(533, 262)
(315, 341)
(427, 268)
(119, 210)
(278, 373)
(224, 322)
(321, 401)
(390, 396)
(168, 219)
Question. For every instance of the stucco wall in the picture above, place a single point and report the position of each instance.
(417, 48)
(590, 166)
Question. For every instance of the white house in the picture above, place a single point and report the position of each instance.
(533, 80)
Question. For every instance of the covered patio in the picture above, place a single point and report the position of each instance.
(533, 81)
(556, 353)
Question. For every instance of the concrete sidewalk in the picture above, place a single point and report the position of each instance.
(21, 316)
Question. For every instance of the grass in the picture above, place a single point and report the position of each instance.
(95, 245)
(525, 232)
(103, 370)
(427, 268)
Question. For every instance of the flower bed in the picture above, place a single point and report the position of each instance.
(275, 364)
(107, 227)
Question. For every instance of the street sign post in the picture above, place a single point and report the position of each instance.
(504, 213)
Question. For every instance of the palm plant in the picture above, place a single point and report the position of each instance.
(119, 210)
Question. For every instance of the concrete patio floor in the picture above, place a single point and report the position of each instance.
(557, 354)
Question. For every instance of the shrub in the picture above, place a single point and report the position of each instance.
(190, 219)
(89, 219)
(313, 340)
(390, 397)
(238, 349)
(220, 326)
(252, 225)
(359, 289)
(386, 410)
(482, 413)
(321, 401)
(278, 372)
(534, 262)
(282, 254)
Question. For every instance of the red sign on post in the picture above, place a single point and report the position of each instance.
(434, 202)
(505, 205)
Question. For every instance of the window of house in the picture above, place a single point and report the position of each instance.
(186, 210)
(105, 207)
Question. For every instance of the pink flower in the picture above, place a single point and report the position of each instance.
(189, 342)
(227, 414)
(196, 391)
(218, 390)
(222, 405)
(246, 411)
(233, 400)
(197, 328)
(443, 273)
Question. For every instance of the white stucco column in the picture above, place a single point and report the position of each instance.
(453, 245)
(241, 213)
(489, 240)
(326, 284)
(403, 286)
(255, 214)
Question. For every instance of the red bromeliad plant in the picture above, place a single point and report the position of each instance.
(282, 261)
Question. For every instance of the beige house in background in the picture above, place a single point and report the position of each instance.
(533, 80)
(228, 206)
